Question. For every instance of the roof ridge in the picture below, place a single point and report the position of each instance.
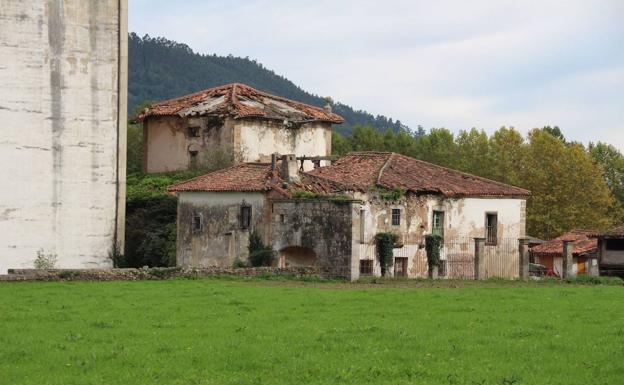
(381, 170)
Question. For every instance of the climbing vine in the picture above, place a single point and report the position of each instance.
(385, 244)
(433, 243)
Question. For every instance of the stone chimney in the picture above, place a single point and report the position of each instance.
(290, 171)
(328, 106)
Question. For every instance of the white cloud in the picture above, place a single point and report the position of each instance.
(446, 63)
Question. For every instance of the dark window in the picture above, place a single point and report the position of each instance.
(282, 218)
(197, 223)
(366, 267)
(193, 132)
(491, 227)
(437, 227)
(615, 244)
(396, 217)
(245, 217)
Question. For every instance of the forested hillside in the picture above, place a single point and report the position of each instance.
(161, 69)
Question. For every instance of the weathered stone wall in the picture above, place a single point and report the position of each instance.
(221, 240)
(168, 142)
(258, 139)
(62, 147)
(156, 273)
(464, 219)
(323, 227)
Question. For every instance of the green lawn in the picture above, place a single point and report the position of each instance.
(217, 331)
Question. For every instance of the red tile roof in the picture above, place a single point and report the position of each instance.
(583, 244)
(242, 177)
(239, 101)
(363, 170)
(616, 232)
(253, 177)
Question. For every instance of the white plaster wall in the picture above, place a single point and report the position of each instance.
(59, 100)
(464, 220)
(167, 144)
(259, 139)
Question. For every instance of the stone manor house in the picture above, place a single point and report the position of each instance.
(328, 217)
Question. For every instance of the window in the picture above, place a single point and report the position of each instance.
(396, 217)
(437, 227)
(362, 226)
(193, 132)
(491, 226)
(197, 224)
(615, 244)
(245, 217)
(366, 267)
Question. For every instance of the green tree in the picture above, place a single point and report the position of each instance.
(508, 154)
(568, 189)
(474, 153)
(437, 147)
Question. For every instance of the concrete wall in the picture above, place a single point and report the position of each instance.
(221, 240)
(63, 66)
(464, 220)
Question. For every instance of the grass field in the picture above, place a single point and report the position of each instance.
(218, 331)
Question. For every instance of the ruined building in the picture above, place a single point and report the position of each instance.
(63, 136)
(232, 123)
(329, 217)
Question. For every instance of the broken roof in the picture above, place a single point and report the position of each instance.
(360, 171)
(253, 177)
(616, 232)
(239, 101)
(583, 244)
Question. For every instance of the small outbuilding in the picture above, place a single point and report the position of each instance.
(584, 253)
(611, 252)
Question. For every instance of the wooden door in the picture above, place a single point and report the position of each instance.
(580, 266)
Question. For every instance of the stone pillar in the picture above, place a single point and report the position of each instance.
(568, 260)
(479, 258)
(523, 248)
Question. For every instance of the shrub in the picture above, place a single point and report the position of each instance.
(259, 253)
(44, 261)
(239, 263)
(385, 244)
(433, 242)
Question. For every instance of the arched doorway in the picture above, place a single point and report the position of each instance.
(296, 256)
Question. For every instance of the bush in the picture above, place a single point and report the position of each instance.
(433, 243)
(45, 261)
(385, 244)
(238, 263)
(259, 253)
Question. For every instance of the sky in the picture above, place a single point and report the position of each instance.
(454, 64)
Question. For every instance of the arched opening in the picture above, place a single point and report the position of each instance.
(295, 256)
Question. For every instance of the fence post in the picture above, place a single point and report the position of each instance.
(479, 258)
(568, 260)
(523, 248)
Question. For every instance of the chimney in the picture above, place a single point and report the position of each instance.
(328, 106)
(290, 171)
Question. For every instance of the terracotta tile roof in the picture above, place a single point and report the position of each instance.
(253, 177)
(239, 101)
(616, 232)
(583, 244)
(242, 177)
(362, 171)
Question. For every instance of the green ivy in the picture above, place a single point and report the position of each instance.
(392, 195)
(433, 243)
(385, 244)
(259, 253)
